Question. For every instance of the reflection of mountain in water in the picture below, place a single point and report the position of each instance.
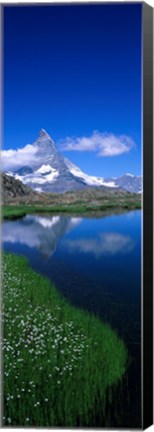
(42, 233)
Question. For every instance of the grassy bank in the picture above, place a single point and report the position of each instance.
(14, 211)
(58, 360)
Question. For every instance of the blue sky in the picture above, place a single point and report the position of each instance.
(76, 72)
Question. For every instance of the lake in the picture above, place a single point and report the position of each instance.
(96, 264)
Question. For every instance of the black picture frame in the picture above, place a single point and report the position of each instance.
(147, 270)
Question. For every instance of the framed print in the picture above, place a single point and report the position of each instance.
(77, 214)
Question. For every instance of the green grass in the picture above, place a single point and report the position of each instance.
(59, 361)
(13, 212)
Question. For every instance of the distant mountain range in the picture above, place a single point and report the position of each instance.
(50, 171)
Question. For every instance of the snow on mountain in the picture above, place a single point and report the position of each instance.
(129, 175)
(45, 169)
(38, 178)
(90, 180)
(50, 171)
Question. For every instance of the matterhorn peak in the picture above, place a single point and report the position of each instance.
(44, 139)
(43, 134)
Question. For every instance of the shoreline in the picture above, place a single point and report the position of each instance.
(13, 211)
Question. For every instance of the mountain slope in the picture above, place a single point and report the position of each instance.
(89, 180)
(13, 188)
(50, 171)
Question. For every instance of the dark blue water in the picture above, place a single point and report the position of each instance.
(96, 264)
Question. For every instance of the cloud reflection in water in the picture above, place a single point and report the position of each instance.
(106, 244)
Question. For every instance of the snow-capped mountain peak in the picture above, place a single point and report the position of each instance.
(44, 140)
(50, 171)
(43, 134)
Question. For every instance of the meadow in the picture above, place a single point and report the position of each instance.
(20, 210)
(59, 362)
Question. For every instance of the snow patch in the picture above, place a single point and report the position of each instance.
(130, 175)
(39, 177)
(19, 177)
(110, 184)
(52, 176)
(44, 169)
(10, 174)
(37, 189)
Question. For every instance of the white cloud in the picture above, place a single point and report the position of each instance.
(14, 159)
(104, 144)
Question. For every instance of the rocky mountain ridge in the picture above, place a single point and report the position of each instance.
(12, 189)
